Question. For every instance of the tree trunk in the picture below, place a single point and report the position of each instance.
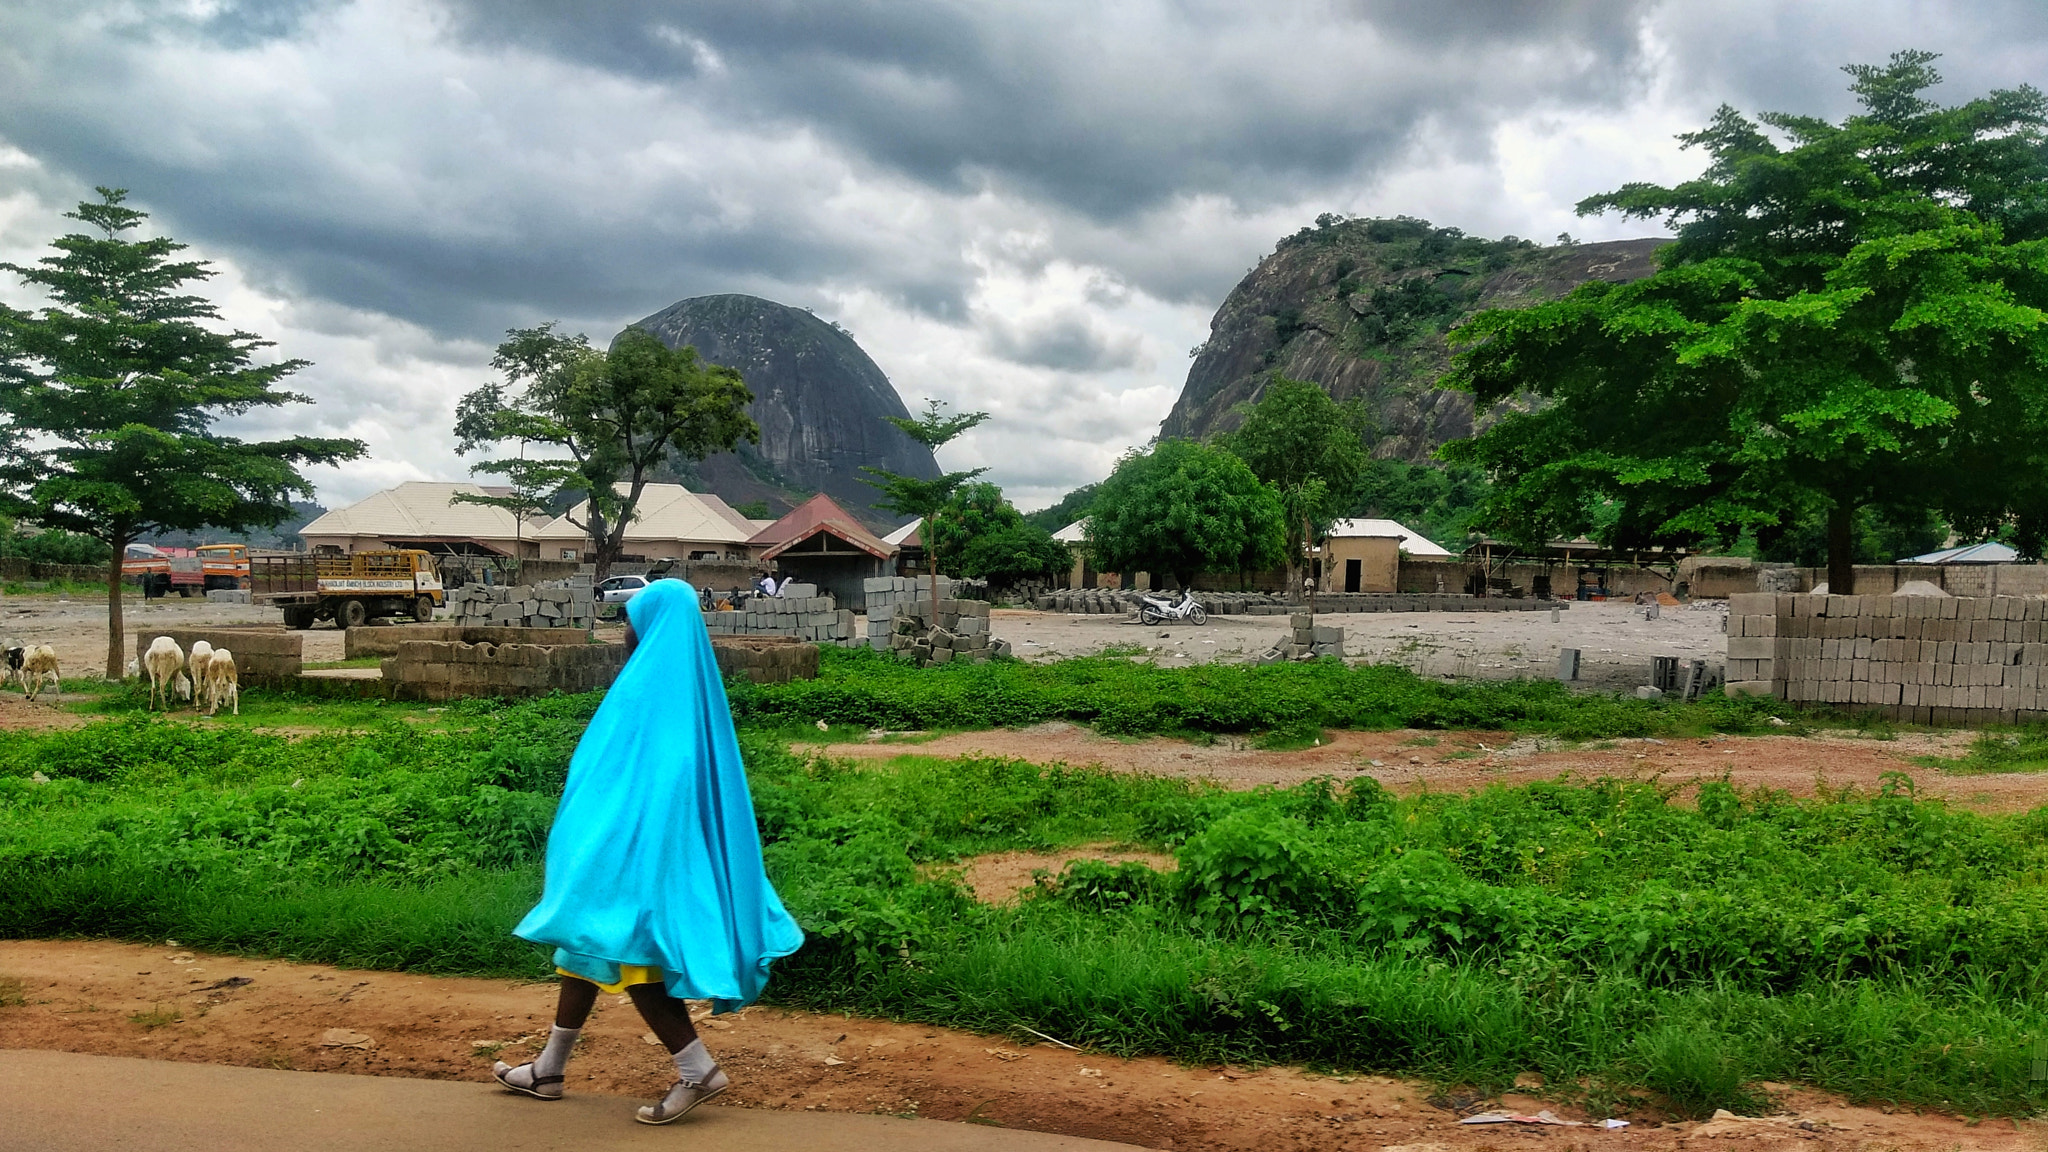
(1841, 549)
(116, 667)
(931, 563)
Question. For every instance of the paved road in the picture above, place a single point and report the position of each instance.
(66, 1102)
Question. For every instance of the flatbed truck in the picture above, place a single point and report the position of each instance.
(349, 589)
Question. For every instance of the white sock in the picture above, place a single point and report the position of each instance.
(694, 1063)
(555, 1056)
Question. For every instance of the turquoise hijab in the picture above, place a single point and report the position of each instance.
(654, 858)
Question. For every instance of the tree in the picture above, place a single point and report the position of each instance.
(1073, 506)
(1859, 317)
(924, 499)
(1185, 508)
(109, 395)
(988, 539)
(1311, 451)
(608, 419)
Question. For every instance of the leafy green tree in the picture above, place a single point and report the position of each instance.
(1310, 450)
(985, 538)
(1437, 500)
(916, 496)
(1185, 508)
(52, 547)
(603, 421)
(110, 393)
(1073, 506)
(1859, 316)
(755, 510)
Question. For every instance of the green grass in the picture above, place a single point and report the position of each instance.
(1999, 750)
(358, 662)
(863, 689)
(1625, 946)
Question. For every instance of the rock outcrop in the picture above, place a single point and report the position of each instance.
(1361, 306)
(819, 399)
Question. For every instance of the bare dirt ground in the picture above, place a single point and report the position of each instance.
(1614, 640)
(164, 1002)
(77, 628)
(1409, 760)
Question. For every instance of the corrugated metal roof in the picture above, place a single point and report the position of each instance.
(1412, 542)
(818, 513)
(1073, 533)
(665, 512)
(1990, 552)
(906, 535)
(416, 509)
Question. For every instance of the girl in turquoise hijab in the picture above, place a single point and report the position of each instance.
(654, 878)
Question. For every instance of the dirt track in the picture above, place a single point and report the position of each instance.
(1451, 761)
(168, 1003)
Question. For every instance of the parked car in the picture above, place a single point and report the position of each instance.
(620, 589)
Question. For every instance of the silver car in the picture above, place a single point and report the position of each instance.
(620, 589)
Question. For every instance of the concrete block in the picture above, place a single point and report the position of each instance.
(1568, 664)
(1751, 648)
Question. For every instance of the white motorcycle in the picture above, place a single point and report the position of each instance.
(1160, 609)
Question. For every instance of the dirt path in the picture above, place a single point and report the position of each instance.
(167, 1003)
(1411, 760)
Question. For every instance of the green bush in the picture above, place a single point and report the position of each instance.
(1884, 946)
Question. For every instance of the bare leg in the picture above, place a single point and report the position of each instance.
(573, 1006)
(669, 1017)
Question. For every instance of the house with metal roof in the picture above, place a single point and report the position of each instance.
(670, 523)
(821, 543)
(425, 514)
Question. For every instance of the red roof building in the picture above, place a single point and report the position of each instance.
(820, 543)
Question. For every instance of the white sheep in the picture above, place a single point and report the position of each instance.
(221, 683)
(38, 665)
(195, 664)
(164, 662)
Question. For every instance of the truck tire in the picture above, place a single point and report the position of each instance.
(423, 609)
(185, 590)
(299, 617)
(352, 614)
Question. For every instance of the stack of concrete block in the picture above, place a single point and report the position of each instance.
(960, 633)
(1923, 659)
(1091, 601)
(446, 670)
(556, 604)
(885, 595)
(1305, 640)
(814, 618)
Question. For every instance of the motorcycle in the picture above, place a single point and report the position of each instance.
(1159, 609)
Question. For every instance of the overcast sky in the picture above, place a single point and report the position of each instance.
(1031, 208)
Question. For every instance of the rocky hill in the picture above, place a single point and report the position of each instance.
(819, 399)
(1361, 307)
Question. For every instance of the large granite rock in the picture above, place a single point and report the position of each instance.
(819, 399)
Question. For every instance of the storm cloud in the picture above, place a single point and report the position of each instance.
(1031, 209)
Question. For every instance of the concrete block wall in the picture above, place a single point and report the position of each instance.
(766, 659)
(1923, 659)
(384, 639)
(266, 655)
(448, 669)
(561, 604)
(801, 614)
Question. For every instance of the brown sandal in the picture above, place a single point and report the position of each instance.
(503, 1071)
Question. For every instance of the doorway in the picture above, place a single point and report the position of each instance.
(1352, 574)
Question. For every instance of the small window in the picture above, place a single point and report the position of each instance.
(568, 553)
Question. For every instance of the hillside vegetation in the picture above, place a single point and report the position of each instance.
(1361, 306)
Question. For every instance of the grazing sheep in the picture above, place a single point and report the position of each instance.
(164, 662)
(39, 664)
(184, 688)
(195, 664)
(15, 654)
(221, 683)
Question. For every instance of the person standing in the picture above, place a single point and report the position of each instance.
(654, 881)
